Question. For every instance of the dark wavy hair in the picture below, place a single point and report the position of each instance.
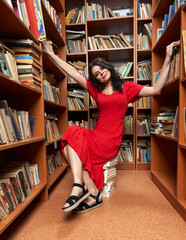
(116, 79)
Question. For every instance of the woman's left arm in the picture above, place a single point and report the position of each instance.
(156, 89)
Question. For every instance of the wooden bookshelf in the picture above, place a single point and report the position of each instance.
(20, 96)
(168, 163)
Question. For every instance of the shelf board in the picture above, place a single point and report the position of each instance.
(51, 66)
(55, 175)
(112, 54)
(78, 110)
(51, 29)
(143, 166)
(125, 166)
(16, 28)
(57, 5)
(76, 54)
(171, 86)
(108, 20)
(21, 143)
(166, 136)
(53, 104)
(144, 136)
(143, 108)
(162, 7)
(49, 142)
(167, 180)
(11, 86)
(144, 19)
(182, 145)
(167, 36)
(183, 80)
(20, 208)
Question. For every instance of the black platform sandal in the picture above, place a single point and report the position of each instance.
(84, 207)
(73, 200)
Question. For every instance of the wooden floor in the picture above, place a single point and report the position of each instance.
(136, 210)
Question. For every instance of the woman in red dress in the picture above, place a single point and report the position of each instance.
(87, 150)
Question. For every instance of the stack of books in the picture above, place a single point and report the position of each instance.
(51, 128)
(109, 176)
(27, 55)
(166, 122)
(53, 161)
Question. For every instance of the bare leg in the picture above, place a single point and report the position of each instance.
(91, 187)
(76, 167)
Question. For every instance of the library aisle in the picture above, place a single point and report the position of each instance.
(136, 210)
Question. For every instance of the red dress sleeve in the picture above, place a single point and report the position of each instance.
(131, 89)
(91, 89)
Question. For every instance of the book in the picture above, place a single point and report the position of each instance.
(32, 17)
(184, 49)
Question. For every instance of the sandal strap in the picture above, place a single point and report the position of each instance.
(96, 197)
(81, 186)
(71, 198)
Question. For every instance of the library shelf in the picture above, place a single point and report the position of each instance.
(168, 165)
(21, 143)
(35, 191)
(18, 30)
(16, 87)
(56, 174)
(49, 142)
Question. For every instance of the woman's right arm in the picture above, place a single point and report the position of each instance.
(71, 71)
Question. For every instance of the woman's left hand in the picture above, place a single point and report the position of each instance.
(169, 49)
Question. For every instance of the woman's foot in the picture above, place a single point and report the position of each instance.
(91, 202)
(78, 194)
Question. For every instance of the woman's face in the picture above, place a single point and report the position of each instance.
(101, 74)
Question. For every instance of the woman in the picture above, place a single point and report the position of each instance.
(87, 150)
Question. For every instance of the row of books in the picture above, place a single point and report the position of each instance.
(144, 10)
(14, 125)
(128, 124)
(52, 12)
(77, 99)
(143, 41)
(143, 155)
(20, 61)
(50, 91)
(143, 150)
(124, 69)
(92, 102)
(75, 46)
(174, 70)
(82, 123)
(168, 16)
(143, 123)
(53, 161)
(108, 41)
(126, 151)
(109, 169)
(16, 183)
(144, 102)
(80, 67)
(75, 15)
(97, 11)
(30, 12)
(166, 122)
(51, 129)
(144, 69)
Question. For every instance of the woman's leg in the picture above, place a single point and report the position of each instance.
(91, 187)
(76, 167)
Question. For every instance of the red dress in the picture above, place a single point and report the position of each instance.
(97, 146)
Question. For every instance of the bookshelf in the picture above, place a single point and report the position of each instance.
(168, 163)
(20, 96)
(130, 24)
(143, 106)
